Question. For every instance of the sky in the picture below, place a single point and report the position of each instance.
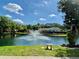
(31, 11)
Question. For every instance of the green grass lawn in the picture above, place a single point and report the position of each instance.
(57, 51)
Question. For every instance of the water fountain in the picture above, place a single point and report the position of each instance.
(36, 35)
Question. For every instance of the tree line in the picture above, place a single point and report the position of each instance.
(7, 25)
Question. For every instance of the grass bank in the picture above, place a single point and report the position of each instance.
(57, 51)
(21, 33)
(58, 35)
(18, 33)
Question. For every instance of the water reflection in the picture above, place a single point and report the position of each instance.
(23, 41)
(34, 38)
(6, 41)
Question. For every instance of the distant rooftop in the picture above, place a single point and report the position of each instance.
(52, 29)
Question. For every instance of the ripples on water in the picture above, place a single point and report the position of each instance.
(34, 38)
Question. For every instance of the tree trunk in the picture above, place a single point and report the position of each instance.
(71, 39)
(72, 35)
(1, 32)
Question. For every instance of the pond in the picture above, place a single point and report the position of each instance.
(34, 38)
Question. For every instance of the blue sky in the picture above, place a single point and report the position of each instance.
(31, 11)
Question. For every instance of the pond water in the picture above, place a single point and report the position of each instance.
(34, 38)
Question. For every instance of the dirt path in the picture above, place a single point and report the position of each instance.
(35, 57)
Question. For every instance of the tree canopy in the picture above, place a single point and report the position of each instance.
(71, 10)
(7, 24)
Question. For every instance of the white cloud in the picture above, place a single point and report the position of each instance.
(21, 14)
(42, 19)
(35, 13)
(18, 21)
(12, 7)
(8, 16)
(52, 15)
(45, 2)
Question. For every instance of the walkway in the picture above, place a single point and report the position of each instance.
(35, 57)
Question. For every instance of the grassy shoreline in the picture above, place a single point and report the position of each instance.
(57, 51)
(57, 35)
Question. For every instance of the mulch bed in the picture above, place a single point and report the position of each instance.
(70, 46)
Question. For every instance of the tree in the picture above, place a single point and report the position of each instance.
(4, 23)
(71, 10)
(7, 25)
